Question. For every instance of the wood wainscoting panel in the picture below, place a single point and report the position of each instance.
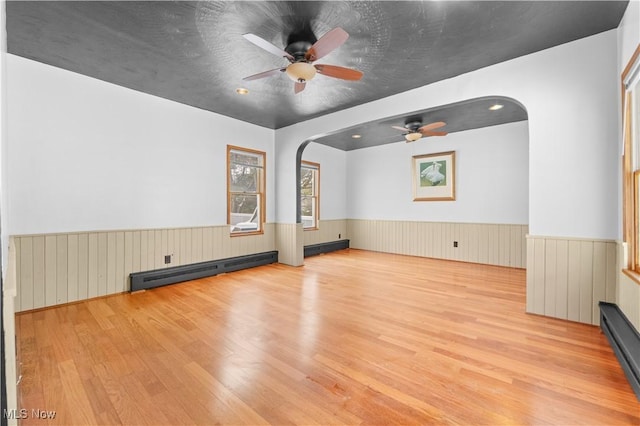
(9, 297)
(567, 277)
(327, 231)
(627, 294)
(60, 268)
(492, 244)
(629, 300)
(290, 243)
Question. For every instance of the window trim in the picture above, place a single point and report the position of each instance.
(262, 193)
(630, 177)
(316, 166)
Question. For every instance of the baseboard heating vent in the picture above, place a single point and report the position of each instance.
(314, 249)
(625, 341)
(159, 277)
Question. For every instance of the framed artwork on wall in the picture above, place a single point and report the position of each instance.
(433, 176)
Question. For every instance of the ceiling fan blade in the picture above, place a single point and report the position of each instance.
(431, 133)
(264, 74)
(432, 126)
(299, 87)
(402, 129)
(339, 72)
(327, 43)
(264, 44)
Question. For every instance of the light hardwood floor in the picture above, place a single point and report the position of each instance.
(352, 337)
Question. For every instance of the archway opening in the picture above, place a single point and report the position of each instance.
(492, 183)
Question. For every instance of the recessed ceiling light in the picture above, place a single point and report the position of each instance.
(496, 107)
(356, 136)
(242, 91)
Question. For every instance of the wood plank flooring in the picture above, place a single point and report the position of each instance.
(352, 337)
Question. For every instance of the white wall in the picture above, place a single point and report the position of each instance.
(628, 292)
(628, 34)
(88, 155)
(628, 40)
(8, 287)
(4, 236)
(333, 179)
(492, 172)
(570, 92)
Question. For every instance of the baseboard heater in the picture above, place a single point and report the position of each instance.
(625, 341)
(314, 249)
(159, 277)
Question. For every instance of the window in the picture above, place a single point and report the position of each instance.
(310, 194)
(631, 162)
(245, 190)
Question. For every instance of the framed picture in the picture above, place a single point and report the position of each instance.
(434, 177)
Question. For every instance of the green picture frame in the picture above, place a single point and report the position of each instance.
(433, 176)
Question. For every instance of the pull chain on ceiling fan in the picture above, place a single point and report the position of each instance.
(302, 54)
(414, 130)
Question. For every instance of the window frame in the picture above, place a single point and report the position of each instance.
(631, 171)
(260, 191)
(316, 197)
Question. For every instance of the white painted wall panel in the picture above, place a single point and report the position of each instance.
(570, 93)
(628, 34)
(627, 291)
(89, 155)
(333, 179)
(492, 171)
(8, 293)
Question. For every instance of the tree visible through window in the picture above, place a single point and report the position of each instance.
(245, 190)
(309, 194)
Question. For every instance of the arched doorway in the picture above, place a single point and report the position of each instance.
(492, 184)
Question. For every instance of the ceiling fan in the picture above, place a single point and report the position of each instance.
(302, 54)
(414, 130)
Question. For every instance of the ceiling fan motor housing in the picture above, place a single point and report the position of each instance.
(298, 49)
(300, 70)
(413, 126)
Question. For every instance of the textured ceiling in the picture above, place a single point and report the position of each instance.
(194, 52)
(467, 115)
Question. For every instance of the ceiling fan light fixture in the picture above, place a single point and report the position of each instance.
(413, 136)
(242, 91)
(301, 71)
